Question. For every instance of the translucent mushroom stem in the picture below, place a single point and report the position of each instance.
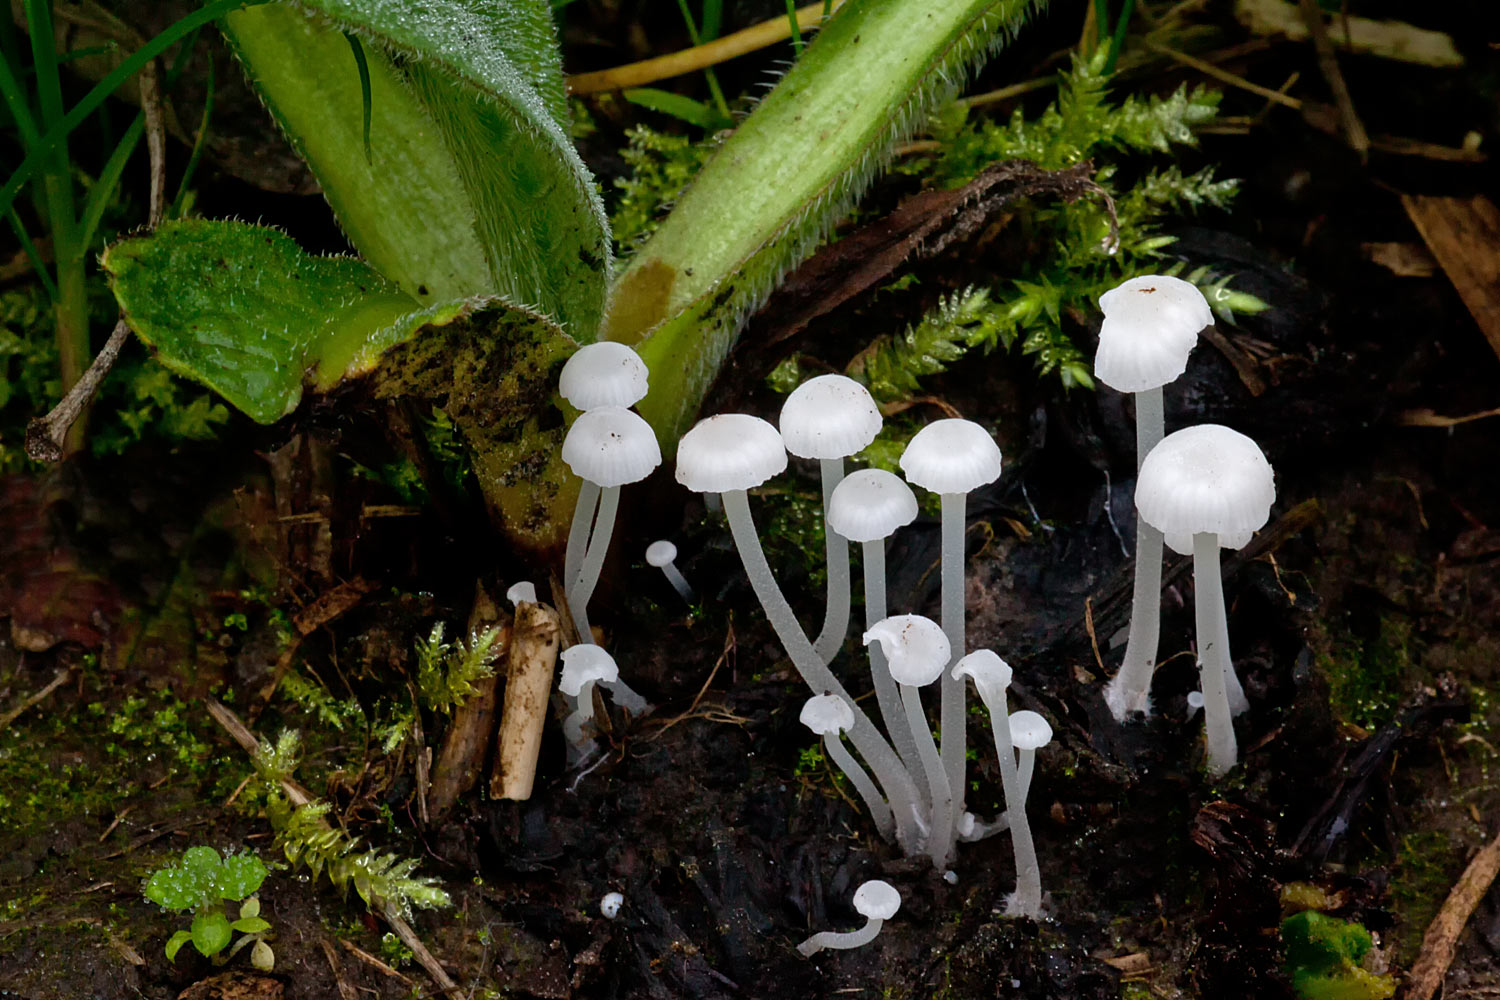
(578, 532)
(836, 549)
(880, 810)
(1213, 654)
(1024, 770)
(892, 712)
(1027, 902)
(834, 939)
(1130, 690)
(679, 582)
(951, 718)
(940, 837)
(899, 789)
(581, 590)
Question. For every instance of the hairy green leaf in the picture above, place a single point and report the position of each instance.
(784, 177)
(243, 310)
(473, 186)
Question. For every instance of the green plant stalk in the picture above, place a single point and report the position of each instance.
(786, 175)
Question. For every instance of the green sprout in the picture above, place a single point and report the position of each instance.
(201, 882)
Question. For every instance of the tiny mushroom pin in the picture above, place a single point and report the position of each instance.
(663, 555)
(830, 418)
(876, 901)
(1203, 488)
(991, 676)
(828, 715)
(1151, 324)
(1028, 733)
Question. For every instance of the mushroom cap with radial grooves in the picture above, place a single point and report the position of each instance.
(660, 553)
(603, 374)
(584, 663)
(830, 416)
(1151, 325)
(916, 648)
(731, 451)
(1029, 731)
(990, 673)
(951, 456)
(827, 714)
(877, 900)
(1206, 478)
(611, 446)
(871, 504)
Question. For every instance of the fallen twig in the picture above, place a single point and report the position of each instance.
(1328, 65)
(528, 686)
(1441, 939)
(56, 682)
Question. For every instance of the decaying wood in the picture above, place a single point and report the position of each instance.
(1441, 939)
(528, 687)
(461, 760)
(1464, 235)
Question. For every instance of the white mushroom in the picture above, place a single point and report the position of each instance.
(1204, 487)
(1151, 324)
(868, 507)
(1028, 733)
(663, 555)
(952, 458)
(523, 592)
(876, 901)
(584, 665)
(830, 418)
(603, 374)
(829, 716)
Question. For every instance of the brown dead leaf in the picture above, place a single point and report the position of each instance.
(1464, 235)
(1404, 260)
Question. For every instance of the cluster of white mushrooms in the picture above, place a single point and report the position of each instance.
(1198, 489)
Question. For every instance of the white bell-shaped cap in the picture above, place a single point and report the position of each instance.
(951, 456)
(991, 674)
(584, 663)
(916, 650)
(603, 374)
(877, 900)
(611, 446)
(1206, 478)
(661, 553)
(1029, 731)
(521, 593)
(871, 504)
(732, 451)
(1151, 325)
(830, 416)
(827, 714)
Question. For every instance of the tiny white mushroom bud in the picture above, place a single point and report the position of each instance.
(876, 901)
(663, 555)
(610, 905)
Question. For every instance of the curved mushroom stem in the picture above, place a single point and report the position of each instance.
(940, 839)
(578, 532)
(834, 939)
(582, 589)
(899, 789)
(892, 712)
(1027, 902)
(836, 548)
(1213, 654)
(1130, 689)
(874, 801)
(575, 726)
(951, 718)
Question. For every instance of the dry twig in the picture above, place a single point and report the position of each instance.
(1441, 939)
(56, 682)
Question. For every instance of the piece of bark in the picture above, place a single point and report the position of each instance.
(528, 688)
(1441, 940)
(1464, 235)
(461, 760)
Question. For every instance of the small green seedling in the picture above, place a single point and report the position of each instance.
(1323, 956)
(202, 881)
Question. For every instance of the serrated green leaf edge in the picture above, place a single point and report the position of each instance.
(475, 187)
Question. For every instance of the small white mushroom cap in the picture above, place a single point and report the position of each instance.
(603, 374)
(827, 714)
(991, 674)
(521, 593)
(609, 906)
(916, 650)
(611, 446)
(877, 900)
(871, 504)
(1151, 325)
(1206, 478)
(951, 456)
(1029, 731)
(732, 451)
(584, 663)
(830, 416)
(661, 553)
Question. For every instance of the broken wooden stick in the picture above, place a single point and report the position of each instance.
(1441, 940)
(528, 687)
(461, 760)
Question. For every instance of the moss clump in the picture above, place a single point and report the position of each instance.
(1323, 956)
(1366, 676)
(1420, 881)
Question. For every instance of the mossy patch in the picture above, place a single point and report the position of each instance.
(1366, 676)
(1423, 874)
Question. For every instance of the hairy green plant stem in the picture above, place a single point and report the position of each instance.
(774, 188)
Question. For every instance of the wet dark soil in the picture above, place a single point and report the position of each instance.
(1365, 623)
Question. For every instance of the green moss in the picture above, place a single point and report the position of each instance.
(1366, 677)
(1323, 956)
(1423, 873)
